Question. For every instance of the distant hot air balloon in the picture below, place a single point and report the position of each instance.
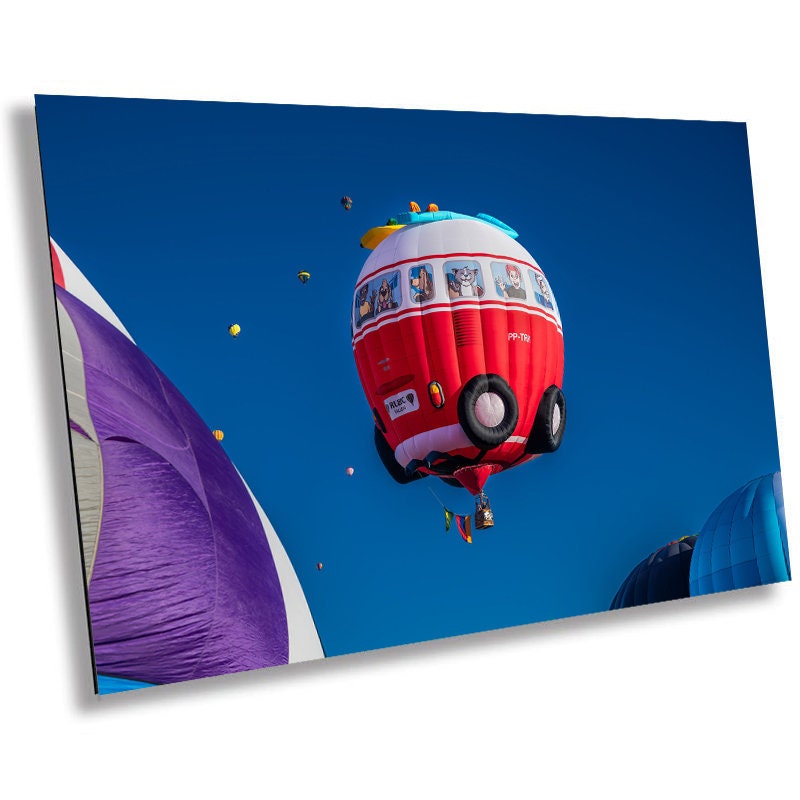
(234, 330)
(304, 276)
(663, 575)
(349, 470)
(218, 435)
(459, 347)
(347, 203)
(432, 207)
(743, 543)
(412, 206)
(319, 565)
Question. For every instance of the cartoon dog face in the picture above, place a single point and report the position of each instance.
(465, 282)
(422, 286)
(385, 296)
(465, 276)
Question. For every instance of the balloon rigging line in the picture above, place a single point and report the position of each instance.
(436, 498)
(441, 503)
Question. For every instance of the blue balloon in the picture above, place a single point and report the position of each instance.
(743, 543)
(663, 575)
(108, 684)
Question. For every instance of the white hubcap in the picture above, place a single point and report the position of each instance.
(490, 409)
(556, 418)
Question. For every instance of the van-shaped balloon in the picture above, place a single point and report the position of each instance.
(459, 348)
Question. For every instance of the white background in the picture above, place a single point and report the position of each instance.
(696, 698)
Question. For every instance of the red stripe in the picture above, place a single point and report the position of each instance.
(477, 304)
(58, 273)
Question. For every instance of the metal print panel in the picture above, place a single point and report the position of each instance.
(341, 379)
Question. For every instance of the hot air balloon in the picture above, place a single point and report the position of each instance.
(743, 542)
(349, 470)
(347, 202)
(461, 357)
(218, 435)
(663, 575)
(234, 330)
(319, 565)
(303, 276)
(178, 587)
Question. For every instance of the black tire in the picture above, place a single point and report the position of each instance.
(390, 462)
(548, 426)
(481, 435)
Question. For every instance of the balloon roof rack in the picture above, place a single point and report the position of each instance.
(420, 217)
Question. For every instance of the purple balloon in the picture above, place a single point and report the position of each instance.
(183, 583)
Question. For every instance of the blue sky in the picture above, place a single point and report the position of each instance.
(187, 216)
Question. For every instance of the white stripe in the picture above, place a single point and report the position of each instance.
(532, 311)
(78, 285)
(304, 641)
(445, 440)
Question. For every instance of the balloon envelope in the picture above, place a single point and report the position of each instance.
(663, 575)
(186, 577)
(743, 542)
(109, 684)
(181, 582)
(459, 347)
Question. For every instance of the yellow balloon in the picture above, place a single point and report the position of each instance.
(234, 330)
(218, 435)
